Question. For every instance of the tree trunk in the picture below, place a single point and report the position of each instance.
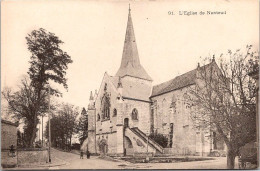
(33, 136)
(231, 159)
(30, 131)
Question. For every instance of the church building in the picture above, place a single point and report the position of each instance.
(127, 108)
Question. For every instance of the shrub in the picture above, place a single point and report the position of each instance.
(159, 138)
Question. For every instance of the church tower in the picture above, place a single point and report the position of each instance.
(136, 84)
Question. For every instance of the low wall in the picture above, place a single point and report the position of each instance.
(32, 156)
(8, 161)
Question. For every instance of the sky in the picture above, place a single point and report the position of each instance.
(93, 33)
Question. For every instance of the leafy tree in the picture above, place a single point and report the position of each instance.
(82, 127)
(224, 99)
(47, 63)
(160, 139)
(63, 126)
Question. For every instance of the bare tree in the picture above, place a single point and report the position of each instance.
(224, 99)
(22, 103)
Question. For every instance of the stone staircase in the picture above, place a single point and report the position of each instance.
(143, 138)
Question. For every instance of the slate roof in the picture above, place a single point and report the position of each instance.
(133, 89)
(130, 64)
(178, 82)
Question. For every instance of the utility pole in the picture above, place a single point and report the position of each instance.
(39, 133)
(49, 114)
(42, 130)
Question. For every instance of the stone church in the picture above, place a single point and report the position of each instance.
(127, 108)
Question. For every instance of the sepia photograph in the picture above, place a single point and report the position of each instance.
(125, 84)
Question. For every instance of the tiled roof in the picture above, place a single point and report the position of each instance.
(178, 82)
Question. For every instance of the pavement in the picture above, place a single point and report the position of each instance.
(67, 160)
(95, 162)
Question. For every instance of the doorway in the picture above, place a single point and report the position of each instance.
(126, 122)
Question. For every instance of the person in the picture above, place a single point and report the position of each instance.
(81, 154)
(88, 154)
(12, 150)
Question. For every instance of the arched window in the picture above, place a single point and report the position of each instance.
(165, 116)
(135, 114)
(98, 117)
(114, 112)
(105, 106)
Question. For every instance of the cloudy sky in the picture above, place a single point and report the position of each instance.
(93, 32)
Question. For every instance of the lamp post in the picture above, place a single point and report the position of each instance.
(49, 124)
(42, 130)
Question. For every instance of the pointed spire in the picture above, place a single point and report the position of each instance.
(130, 53)
(91, 96)
(130, 64)
(213, 59)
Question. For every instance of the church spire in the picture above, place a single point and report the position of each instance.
(130, 64)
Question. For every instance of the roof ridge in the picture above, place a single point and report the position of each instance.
(180, 81)
(174, 78)
(183, 74)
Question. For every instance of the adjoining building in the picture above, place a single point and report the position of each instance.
(8, 139)
(128, 107)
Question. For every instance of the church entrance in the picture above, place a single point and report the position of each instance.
(126, 122)
(103, 147)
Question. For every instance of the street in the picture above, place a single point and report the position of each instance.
(73, 161)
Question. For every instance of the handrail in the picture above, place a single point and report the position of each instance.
(155, 145)
(149, 138)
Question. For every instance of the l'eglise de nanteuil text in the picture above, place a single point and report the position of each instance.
(188, 13)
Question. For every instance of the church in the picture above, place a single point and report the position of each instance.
(128, 107)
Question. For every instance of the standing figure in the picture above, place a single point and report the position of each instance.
(81, 154)
(88, 154)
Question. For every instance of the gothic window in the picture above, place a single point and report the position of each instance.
(98, 117)
(114, 112)
(165, 117)
(135, 114)
(105, 106)
(173, 103)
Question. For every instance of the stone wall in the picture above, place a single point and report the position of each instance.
(32, 156)
(171, 108)
(143, 108)
(111, 141)
(7, 160)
